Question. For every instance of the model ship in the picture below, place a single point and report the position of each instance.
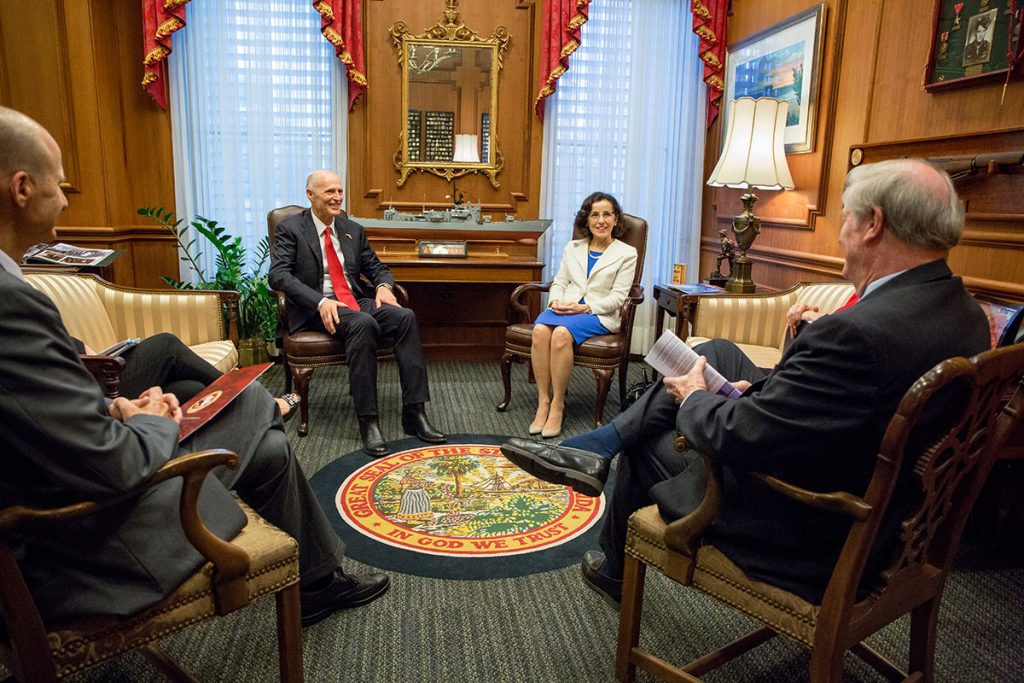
(462, 213)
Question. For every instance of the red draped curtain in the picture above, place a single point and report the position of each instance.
(563, 20)
(340, 22)
(709, 25)
(160, 19)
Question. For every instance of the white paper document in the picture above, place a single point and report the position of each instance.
(671, 357)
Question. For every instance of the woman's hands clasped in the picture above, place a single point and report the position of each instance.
(568, 307)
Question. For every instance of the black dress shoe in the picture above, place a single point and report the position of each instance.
(344, 591)
(584, 471)
(373, 441)
(606, 586)
(415, 423)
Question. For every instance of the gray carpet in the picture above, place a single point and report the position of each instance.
(547, 627)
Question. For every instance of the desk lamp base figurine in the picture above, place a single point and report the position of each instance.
(726, 253)
(745, 227)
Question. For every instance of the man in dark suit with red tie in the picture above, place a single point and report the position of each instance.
(318, 261)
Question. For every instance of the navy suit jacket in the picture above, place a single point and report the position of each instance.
(297, 269)
(817, 421)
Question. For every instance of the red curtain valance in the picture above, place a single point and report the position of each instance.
(160, 19)
(340, 22)
(709, 25)
(563, 20)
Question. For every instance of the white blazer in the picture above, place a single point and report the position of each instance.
(609, 282)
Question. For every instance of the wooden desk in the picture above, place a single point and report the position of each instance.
(462, 303)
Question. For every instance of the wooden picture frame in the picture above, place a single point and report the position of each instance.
(442, 249)
(970, 40)
(783, 61)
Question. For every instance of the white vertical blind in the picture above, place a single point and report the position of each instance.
(258, 100)
(628, 119)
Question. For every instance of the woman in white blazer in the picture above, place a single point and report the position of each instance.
(585, 300)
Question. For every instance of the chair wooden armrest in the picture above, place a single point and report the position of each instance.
(684, 534)
(282, 302)
(518, 298)
(258, 561)
(401, 295)
(836, 501)
(107, 372)
(230, 563)
(629, 306)
(230, 300)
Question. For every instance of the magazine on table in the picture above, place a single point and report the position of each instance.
(68, 255)
(697, 288)
(118, 348)
(198, 410)
(671, 357)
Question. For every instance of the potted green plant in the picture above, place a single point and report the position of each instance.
(236, 270)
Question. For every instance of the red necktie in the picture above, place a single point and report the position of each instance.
(853, 299)
(341, 289)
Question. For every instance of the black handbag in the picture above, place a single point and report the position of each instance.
(637, 389)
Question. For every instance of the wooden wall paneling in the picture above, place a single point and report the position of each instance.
(375, 124)
(75, 66)
(879, 100)
(35, 43)
(991, 255)
(903, 110)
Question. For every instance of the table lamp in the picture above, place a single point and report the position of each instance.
(754, 156)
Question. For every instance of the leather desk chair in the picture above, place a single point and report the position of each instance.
(603, 354)
(303, 352)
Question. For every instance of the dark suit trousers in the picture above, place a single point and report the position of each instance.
(648, 432)
(274, 485)
(271, 481)
(164, 361)
(361, 332)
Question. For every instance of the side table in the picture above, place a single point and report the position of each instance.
(680, 305)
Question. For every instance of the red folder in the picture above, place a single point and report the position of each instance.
(198, 410)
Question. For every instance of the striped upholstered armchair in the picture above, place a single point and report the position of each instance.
(757, 322)
(101, 313)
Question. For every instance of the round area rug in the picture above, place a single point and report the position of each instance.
(458, 510)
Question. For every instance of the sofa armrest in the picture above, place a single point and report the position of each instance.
(107, 372)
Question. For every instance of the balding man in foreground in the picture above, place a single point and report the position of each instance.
(319, 261)
(816, 421)
(60, 442)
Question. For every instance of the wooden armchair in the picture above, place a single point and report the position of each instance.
(945, 479)
(260, 560)
(303, 352)
(101, 313)
(602, 354)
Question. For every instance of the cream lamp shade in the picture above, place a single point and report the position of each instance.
(754, 154)
(467, 149)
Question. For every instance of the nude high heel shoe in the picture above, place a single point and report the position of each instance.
(551, 431)
(537, 426)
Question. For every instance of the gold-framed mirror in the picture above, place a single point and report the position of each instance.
(449, 99)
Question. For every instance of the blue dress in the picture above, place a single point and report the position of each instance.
(582, 326)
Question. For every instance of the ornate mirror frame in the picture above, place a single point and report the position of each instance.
(449, 33)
